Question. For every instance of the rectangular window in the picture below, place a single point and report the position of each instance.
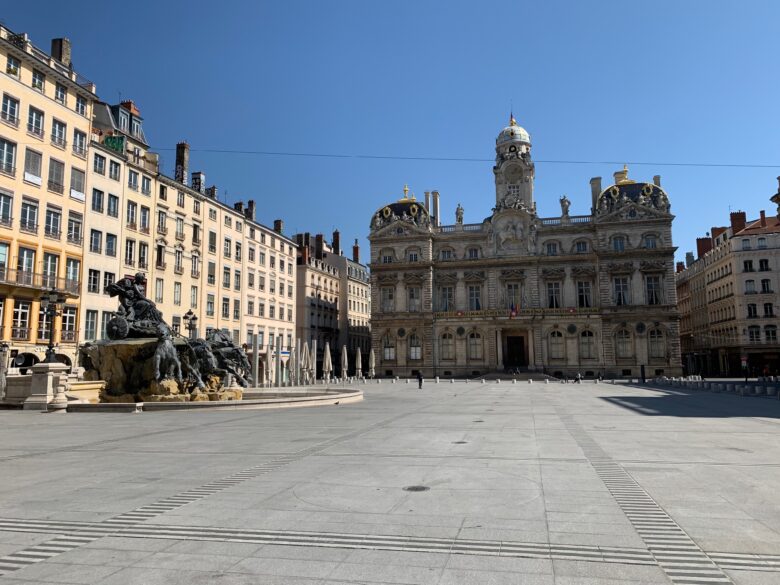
(769, 310)
(754, 334)
(75, 228)
(583, 294)
(10, 111)
(177, 293)
(132, 180)
(109, 278)
(79, 143)
(752, 311)
(619, 244)
(212, 273)
(72, 272)
(747, 266)
(237, 280)
(213, 242)
(210, 305)
(581, 247)
(446, 298)
(653, 290)
(69, 320)
(238, 251)
(90, 325)
(81, 106)
(766, 285)
(750, 287)
(763, 265)
(59, 131)
(414, 299)
(143, 255)
(105, 317)
(236, 309)
(251, 253)
(35, 122)
(29, 216)
(110, 245)
(130, 252)
(180, 198)
(96, 241)
(225, 308)
(227, 248)
(13, 66)
(621, 290)
(272, 312)
(261, 282)
(38, 80)
(114, 170)
(99, 164)
(56, 181)
(250, 279)
(53, 222)
(552, 248)
(226, 277)
(7, 157)
(77, 184)
(93, 281)
(194, 297)
(475, 297)
(130, 214)
(146, 185)
(33, 163)
(554, 295)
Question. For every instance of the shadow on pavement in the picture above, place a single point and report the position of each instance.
(697, 404)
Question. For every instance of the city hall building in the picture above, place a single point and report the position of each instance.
(591, 294)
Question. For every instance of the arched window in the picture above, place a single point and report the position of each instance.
(415, 347)
(475, 346)
(657, 347)
(587, 345)
(447, 346)
(556, 347)
(388, 348)
(623, 346)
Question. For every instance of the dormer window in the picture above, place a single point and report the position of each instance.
(136, 128)
(552, 248)
(619, 244)
(473, 253)
(123, 120)
(445, 254)
(581, 247)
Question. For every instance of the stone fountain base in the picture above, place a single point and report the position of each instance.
(127, 368)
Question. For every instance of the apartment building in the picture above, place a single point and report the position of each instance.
(729, 298)
(44, 127)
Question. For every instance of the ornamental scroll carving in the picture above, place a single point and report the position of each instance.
(652, 266)
(512, 274)
(583, 271)
(414, 277)
(551, 273)
(620, 267)
(474, 275)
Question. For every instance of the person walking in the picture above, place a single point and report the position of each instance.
(419, 380)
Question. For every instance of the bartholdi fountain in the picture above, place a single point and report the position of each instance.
(143, 360)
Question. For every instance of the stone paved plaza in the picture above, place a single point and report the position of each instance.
(530, 483)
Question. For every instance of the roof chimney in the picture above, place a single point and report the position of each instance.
(278, 226)
(239, 206)
(182, 162)
(738, 221)
(318, 246)
(428, 202)
(689, 259)
(435, 214)
(356, 251)
(336, 243)
(60, 50)
(595, 191)
(621, 176)
(199, 181)
(680, 266)
(657, 180)
(250, 210)
(703, 245)
(763, 218)
(211, 191)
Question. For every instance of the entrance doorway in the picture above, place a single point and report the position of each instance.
(515, 352)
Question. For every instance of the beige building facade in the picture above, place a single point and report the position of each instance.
(591, 294)
(729, 300)
(44, 129)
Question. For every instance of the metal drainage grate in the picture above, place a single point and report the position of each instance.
(416, 488)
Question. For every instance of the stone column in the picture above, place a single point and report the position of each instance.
(255, 359)
(499, 348)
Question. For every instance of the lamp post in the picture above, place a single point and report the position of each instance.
(3, 364)
(191, 320)
(53, 302)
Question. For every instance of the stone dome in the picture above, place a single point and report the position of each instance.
(513, 133)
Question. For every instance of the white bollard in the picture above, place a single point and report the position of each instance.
(498, 381)
(452, 380)
(514, 381)
(437, 379)
(482, 380)
(393, 380)
(546, 380)
(377, 382)
(529, 380)
(407, 380)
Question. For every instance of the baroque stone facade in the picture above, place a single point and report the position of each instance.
(593, 294)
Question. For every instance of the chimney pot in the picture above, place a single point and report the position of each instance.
(239, 206)
(436, 219)
(595, 191)
(182, 162)
(657, 180)
(356, 251)
(680, 266)
(61, 50)
(336, 242)
(278, 226)
(763, 218)
(198, 181)
(250, 210)
(703, 245)
(738, 221)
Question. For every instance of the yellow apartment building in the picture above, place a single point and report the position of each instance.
(44, 130)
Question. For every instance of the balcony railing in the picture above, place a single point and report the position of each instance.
(7, 168)
(35, 130)
(74, 238)
(56, 187)
(28, 226)
(7, 221)
(143, 264)
(160, 265)
(43, 333)
(79, 150)
(129, 262)
(53, 233)
(195, 274)
(20, 333)
(10, 119)
(162, 230)
(144, 229)
(38, 280)
(59, 141)
(179, 235)
(178, 269)
(132, 225)
(68, 336)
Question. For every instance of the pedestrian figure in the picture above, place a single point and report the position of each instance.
(419, 380)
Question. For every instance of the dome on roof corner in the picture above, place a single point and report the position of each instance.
(513, 133)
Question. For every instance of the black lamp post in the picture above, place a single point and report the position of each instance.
(53, 301)
(191, 320)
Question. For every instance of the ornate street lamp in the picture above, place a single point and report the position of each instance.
(3, 365)
(191, 320)
(53, 301)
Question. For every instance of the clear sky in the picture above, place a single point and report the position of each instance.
(679, 81)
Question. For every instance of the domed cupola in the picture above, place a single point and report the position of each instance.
(406, 209)
(513, 133)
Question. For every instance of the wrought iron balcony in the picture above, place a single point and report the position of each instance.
(38, 280)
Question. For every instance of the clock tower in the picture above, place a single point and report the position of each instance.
(514, 170)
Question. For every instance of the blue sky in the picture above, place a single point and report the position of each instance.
(661, 81)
